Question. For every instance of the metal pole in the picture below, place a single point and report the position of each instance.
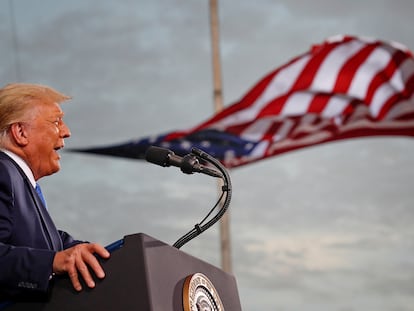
(218, 106)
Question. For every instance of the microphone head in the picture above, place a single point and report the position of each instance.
(158, 155)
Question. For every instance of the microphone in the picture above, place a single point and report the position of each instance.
(188, 164)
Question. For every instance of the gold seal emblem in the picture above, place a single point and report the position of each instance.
(199, 294)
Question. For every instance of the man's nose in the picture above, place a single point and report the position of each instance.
(64, 130)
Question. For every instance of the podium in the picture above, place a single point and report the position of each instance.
(142, 274)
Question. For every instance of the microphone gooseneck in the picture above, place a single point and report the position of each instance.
(189, 164)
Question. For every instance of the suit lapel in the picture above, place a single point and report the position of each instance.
(50, 232)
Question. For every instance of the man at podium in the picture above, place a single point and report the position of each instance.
(32, 250)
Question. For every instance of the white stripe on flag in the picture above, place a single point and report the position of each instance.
(389, 88)
(257, 129)
(336, 105)
(376, 62)
(328, 71)
(297, 104)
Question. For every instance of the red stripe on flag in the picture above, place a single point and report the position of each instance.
(347, 73)
(308, 73)
(384, 75)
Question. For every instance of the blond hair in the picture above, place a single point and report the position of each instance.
(17, 99)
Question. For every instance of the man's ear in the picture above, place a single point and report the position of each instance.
(19, 133)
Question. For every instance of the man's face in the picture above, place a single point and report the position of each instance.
(46, 133)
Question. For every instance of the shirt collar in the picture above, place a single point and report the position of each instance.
(23, 165)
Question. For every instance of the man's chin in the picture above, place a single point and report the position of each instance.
(54, 169)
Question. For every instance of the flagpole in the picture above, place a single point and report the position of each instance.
(218, 106)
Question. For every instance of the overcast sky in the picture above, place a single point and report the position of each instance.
(323, 228)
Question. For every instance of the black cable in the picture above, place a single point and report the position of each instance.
(226, 191)
(198, 228)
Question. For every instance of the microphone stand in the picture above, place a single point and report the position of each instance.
(226, 193)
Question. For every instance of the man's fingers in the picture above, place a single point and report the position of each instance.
(93, 263)
(81, 261)
(100, 250)
(73, 275)
(91, 260)
(84, 272)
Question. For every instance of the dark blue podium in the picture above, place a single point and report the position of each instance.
(142, 274)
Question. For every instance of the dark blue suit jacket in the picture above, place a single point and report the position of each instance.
(28, 236)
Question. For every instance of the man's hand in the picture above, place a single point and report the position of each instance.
(77, 260)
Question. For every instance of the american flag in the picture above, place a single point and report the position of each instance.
(345, 87)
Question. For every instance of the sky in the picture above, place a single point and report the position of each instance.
(323, 228)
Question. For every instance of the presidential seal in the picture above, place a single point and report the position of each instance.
(199, 294)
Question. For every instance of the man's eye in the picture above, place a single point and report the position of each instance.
(57, 122)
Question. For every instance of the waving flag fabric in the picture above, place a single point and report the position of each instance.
(345, 87)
